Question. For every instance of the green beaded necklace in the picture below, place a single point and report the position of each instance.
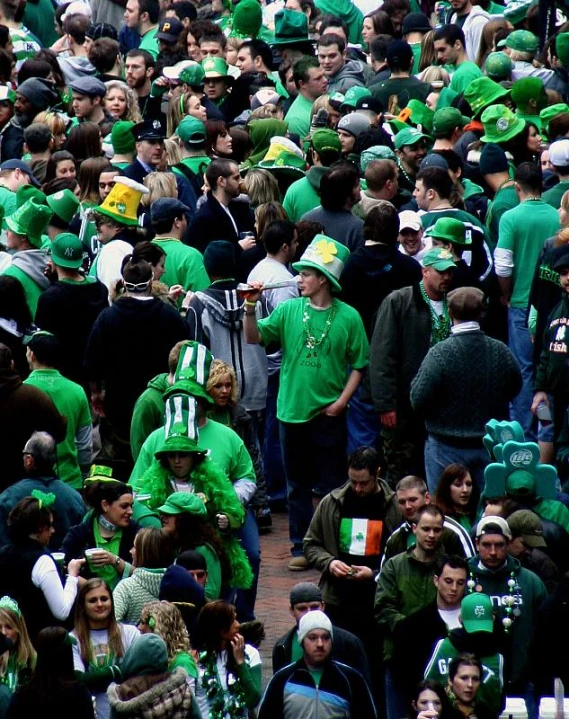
(440, 324)
(311, 343)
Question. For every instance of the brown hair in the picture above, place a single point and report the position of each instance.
(154, 549)
(82, 629)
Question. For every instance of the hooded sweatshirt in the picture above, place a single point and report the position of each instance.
(261, 132)
(352, 74)
(304, 194)
(74, 68)
(28, 268)
(132, 593)
(215, 317)
(148, 412)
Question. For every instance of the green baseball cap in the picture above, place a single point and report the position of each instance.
(520, 40)
(7, 95)
(353, 94)
(439, 258)
(500, 124)
(192, 131)
(192, 75)
(67, 251)
(447, 120)
(525, 523)
(481, 93)
(64, 204)
(498, 66)
(180, 502)
(450, 230)
(477, 613)
(326, 140)
(408, 136)
(526, 89)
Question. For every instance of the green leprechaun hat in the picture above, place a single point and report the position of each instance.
(192, 371)
(327, 256)
(181, 426)
(121, 204)
(30, 220)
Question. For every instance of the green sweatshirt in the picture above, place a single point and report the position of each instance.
(184, 265)
(304, 194)
(148, 412)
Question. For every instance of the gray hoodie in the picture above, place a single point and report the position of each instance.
(351, 74)
(33, 263)
(74, 68)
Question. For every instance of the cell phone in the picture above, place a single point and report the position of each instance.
(543, 413)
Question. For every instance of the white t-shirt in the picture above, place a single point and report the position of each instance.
(450, 618)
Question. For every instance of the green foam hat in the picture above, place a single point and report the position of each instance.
(291, 28)
(64, 204)
(477, 613)
(27, 192)
(30, 220)
(481, 93)
(192, 371)
(181, 426)
(327, 256)
(408, 136)
(500, 124)
(450, 230)
(439, 258)
(498, 66)
(180, 502)
(67, 251)
(519, 473)
(498, 433)
(353, 94)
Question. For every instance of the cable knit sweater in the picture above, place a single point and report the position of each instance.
(131, 594)
(462, 383)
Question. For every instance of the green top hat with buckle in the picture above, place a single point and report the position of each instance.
(27, 192)
(500, 124)
(181, 426)
(327, 256)
(450, 230)
(192, 371)
(30, 220)
(64, 204)
(291, 28)
(184, 502)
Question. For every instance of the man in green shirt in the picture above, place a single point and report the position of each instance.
(74, 454)
(450, 48)
(310, 82)
(142, 16)
(325, 351)
(559, 158)
(184, 264)
(192, 140)
(495, 170)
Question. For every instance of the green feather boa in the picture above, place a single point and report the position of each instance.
(221, 498)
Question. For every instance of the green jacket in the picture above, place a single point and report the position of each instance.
(404, 585)
(148, 413)
(321, 540)
(530, 595)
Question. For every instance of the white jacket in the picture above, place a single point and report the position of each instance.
(472, 29)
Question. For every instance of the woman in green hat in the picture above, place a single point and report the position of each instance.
(515, 135)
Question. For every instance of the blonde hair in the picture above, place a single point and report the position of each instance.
(160, 184)
(218, 370)
(23, 650)
(436, 76)
(132, 109)
(428, 54)
(172, 152)
(261, 187)
(321, 102)
(178, 108)
(53, 120)
(166, 621)
(266, 213)
(266, 112)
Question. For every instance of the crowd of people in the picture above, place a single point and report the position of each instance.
(306, 257)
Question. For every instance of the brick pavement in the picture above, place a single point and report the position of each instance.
(275, 582)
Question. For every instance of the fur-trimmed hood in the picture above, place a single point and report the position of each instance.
(156, 696)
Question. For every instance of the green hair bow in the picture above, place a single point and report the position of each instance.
(45, 500)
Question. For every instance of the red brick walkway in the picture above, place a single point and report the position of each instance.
(275, 583)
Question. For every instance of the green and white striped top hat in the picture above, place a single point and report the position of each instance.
(181, 426)
(327, 256)
(192, 371)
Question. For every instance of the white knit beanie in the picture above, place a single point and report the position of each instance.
(313, 620)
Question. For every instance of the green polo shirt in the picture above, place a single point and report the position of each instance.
(149, 42)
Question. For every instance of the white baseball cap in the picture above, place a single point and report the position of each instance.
(410, 220)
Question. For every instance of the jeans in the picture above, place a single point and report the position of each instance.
(520, 343)
(395, 700)
(249, 536)
(438, 456)
(363, 425)
(272, 455)
(314, 454)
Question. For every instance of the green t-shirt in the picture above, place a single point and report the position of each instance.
(226, 449)
(71, 402)
(416, 48)
(213, 584)
(522, 233)
(505, 199)
(184, 265)
(301, 196)
(316, 674)
(198, 165)
(149, 42)
(313, 379)
(553, 197)
(463, 75)
(298, 116)
(186, 662)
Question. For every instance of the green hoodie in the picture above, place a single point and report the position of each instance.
(529, 595)
(146, 655)
(132, 593)
(304, 194)
(261, 133)
(148, 412)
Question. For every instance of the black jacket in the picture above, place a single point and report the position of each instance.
(346, 648)
(212, 223)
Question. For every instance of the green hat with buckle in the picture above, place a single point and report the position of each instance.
(353, 94)
(408, 136)
(67, 251)
(447, 120)
(30, 220)
(327, 256)
(192, 371)
(498, 66)
(450, 230)
(500, 124)
(181, 426)
(193, 75)
(184, 502)
(64, 204)
(521, 41)
(439, 258)
(215, 67)
(291, 28)
(481, 93)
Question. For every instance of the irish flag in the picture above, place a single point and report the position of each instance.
(361, 537)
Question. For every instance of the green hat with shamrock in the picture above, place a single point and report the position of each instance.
(30, 220)
(192, 371)
(500, 124)
(448, 229)
(64, 204)
(180, 502)
(439, 258)
(327, 256)
(481, 93)
(121, 204)
(181, 426)
(215, 67)
(353, 94)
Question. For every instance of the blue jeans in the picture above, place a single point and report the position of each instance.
(272, 455)
(396, 704)
(314, 454)
(438, 456)
(249, 536)
(520, 343)
(363, 425)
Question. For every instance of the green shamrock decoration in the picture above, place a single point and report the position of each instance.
(519, 474)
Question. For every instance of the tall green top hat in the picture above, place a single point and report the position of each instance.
(192, 371)
(181, 426)
(291, 28)
(448, 229)
(30, 220)
(327, 256)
